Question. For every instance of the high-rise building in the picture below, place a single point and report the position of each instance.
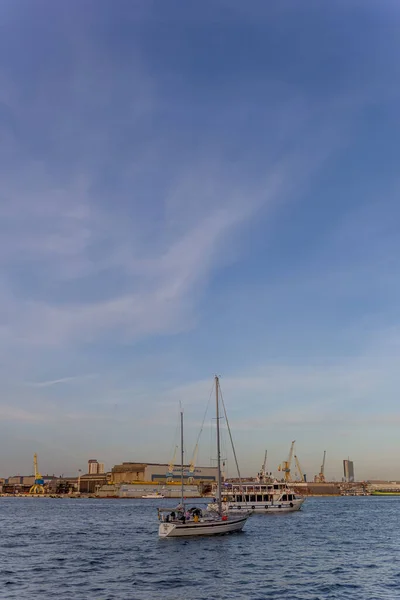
(348, 468)
(93, 467)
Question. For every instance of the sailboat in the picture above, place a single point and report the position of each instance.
(180, 523)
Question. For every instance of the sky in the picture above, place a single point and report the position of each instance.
(199, 188)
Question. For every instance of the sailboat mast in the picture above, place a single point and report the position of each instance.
(182, 457)
(218, 445)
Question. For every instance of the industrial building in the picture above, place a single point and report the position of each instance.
(131, 472)
(89, 483)
(21, 484)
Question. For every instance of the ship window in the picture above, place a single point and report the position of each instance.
(276, 487)
(239, 498)
(284, 497)
(252, 498)
(247, 498)
(259, 497)
(290, 497)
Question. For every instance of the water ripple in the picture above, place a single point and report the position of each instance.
(335, 548)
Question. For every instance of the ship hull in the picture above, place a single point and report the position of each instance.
(202, 528)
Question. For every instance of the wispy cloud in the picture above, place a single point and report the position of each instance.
(52, 382)
(157, 285)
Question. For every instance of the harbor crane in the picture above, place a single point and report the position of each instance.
(170, 472)
(300, 472)
(287, 463)
(38, 486)
(321, 476)
(263, 473)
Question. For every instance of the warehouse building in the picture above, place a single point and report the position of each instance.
(130, 472)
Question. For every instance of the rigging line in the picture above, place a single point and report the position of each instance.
(233, 447)
(175, 438)
(204, 418)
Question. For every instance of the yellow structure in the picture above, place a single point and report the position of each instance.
(38, 486)
(286, 465)
(170, 473)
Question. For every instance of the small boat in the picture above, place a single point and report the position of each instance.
(180, 522)
(153, 496)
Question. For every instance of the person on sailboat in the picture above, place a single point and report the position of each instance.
(181, 516)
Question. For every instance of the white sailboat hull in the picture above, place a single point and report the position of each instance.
(202, 528)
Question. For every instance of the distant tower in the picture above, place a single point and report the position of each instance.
(348, 469)
(93, 466)
(100, 470)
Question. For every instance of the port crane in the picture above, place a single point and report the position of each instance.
(287, 463)
(321, 476)
(170, 472)
(263, 473)
(299, 470)
(38, 486)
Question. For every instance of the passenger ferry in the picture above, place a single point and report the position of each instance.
(273, 497)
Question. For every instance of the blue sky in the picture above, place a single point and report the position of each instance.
(195, 188)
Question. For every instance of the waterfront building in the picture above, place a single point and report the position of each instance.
(131, 472)
(90, 482)
(93, 466)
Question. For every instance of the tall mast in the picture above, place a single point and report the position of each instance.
(182, 457)
(218, 445)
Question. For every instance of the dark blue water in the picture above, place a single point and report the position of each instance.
(341, 548)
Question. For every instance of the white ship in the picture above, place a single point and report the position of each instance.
(153, 496)
(273, 497)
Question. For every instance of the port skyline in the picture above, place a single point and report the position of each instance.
(243, 224)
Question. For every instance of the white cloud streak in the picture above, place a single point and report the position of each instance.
(76, 379)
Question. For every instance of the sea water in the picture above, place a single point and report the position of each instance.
(334, 548)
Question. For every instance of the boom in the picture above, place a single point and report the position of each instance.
(264, 467)
(299, 468)
(322, 473)
(262, 474)
(170, 472)
(287, 463)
